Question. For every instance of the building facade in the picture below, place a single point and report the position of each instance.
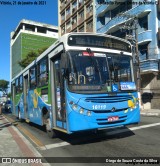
(76, 16)
(112, 16)
(29, 35)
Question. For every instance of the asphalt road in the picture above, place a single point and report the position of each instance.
(142, 140)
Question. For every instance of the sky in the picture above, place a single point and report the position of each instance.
(11, 15)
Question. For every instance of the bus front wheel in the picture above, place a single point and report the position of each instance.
(51, 133)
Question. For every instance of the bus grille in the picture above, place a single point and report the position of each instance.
(108, 111)
(108, 99)
(108, 123)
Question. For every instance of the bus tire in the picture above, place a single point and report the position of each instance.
(51, 133)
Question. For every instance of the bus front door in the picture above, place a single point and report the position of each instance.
(58, 96)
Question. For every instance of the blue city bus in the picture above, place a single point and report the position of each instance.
(84, 81)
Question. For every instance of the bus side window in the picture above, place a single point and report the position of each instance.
(42, 74)
(33, 77)
(17, 86)
(21, 83)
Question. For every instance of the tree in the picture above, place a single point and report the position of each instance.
(31, 56)
(4, 86)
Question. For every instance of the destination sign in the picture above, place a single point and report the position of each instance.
(98, 41)
(128, 85)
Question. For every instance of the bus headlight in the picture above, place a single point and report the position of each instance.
(89, 113)
(81, 111)
(137, 101)
(74, 107)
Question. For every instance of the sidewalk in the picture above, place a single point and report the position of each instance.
(150, 112)
(13, 144)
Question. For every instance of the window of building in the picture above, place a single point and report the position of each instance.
(100, 1)
(63, 16)
(74, 6)
(62, 2)
(119, 33)
(29, 27)
(81, 15)
(90, 24)
(81, 29)
(63, 29)
(43, 72)
(68, 25)
(68, 11)
(89, 8)
(143, 51)
(32, 74)
(41, 30)
(74, 20)
(80, 2)
(143, 23)
(123, 7)
(102, 20)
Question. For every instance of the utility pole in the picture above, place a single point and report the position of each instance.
(131, 24)
(132, 21)
(137, 57)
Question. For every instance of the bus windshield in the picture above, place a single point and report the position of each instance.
(97, 70)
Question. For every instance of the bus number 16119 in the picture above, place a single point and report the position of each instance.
(101, 107)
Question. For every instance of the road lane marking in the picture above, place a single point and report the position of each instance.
(56, 145)
(132, 129)
(144, 126)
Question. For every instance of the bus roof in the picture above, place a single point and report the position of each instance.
(63, 39)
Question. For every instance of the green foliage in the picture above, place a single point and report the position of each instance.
(31, 56)
(4, 86)
(40, 51)
(9, 94)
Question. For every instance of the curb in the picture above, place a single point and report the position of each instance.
(27, 149)
(150, 114)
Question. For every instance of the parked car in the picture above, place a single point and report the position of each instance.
(8, 106)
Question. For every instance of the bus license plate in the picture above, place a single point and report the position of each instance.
(113, 118)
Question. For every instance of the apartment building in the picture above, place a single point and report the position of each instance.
(147, 13)
(29, 35)
(76, 16)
